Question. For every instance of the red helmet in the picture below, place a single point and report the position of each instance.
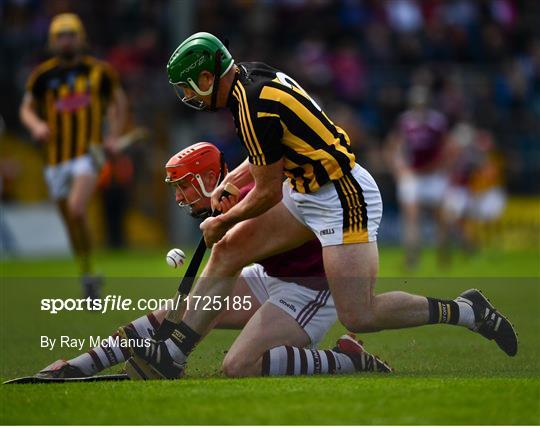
(191, 162)
(195, 159)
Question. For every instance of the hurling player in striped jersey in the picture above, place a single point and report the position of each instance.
(326, 195)
(67, 100)
(290, 306)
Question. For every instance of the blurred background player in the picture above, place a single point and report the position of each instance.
(475, 199)
(66, 100)
(290, 302)
(418, 158)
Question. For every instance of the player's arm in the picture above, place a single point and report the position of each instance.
(266, 193)
(117, 112)
(261, 136)
(394, 155)
(264, 164)
(239, 177)
(117, 106)
(450, 151)
(449, 142)
(30, 119)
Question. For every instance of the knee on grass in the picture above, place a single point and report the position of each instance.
(236, 367)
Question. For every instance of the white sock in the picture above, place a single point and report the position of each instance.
(177, 354)
(286, 360)
(466, 313)
(85, 363)
(146, 326)
(108, 353)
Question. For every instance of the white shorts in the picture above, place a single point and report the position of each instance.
(60, 177)
(459, 202)
(314, 310)
(455, 203)
(348, 210)
(488, 205)
(426, 189)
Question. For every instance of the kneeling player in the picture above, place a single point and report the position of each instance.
(287, 319)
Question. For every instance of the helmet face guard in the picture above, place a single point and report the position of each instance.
(187, 203)
(194, 101)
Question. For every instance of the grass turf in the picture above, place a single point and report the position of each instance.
(444, 375)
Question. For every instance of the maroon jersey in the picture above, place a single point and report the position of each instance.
(423, 135)
(303, 265)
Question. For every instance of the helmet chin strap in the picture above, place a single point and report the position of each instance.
(207, 212)
(202, 187)
(217, 78)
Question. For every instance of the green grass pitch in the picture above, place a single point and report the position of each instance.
(444, 375)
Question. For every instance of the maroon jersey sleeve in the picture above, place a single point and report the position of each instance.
(303, 265)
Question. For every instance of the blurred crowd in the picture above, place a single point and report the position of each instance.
(479, 59)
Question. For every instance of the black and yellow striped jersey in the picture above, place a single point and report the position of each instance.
(275, 118)
(73, 101)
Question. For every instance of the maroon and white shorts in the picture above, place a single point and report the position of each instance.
(314, 310)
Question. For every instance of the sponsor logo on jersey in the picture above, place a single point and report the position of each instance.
(73, 102)
(287, 304)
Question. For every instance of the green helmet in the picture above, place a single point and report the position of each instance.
(195, 54)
